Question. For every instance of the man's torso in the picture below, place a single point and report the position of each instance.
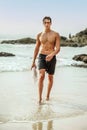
(47, 41)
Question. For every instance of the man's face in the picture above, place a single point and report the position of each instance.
(47, 23)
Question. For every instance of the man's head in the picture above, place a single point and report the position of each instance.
(47, 21)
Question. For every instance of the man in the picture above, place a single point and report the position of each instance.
(48, 45)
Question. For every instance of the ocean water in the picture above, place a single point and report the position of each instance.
(24, 53)
(18, 91)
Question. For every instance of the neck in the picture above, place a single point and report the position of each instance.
(47, 30)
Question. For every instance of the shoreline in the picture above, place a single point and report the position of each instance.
(70, 123)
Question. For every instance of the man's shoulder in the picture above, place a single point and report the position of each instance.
(55, 33)
(39, 34)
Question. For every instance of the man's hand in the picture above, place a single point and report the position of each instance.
(49, 57)
(33, 65)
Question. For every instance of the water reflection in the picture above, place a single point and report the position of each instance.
(50, 125)
(44, 112)
(39, 125)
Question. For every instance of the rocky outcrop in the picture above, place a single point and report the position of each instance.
(63, 41)
(79, 65)
(6, 54)
(68, 42)
(81, 57)
(80, 38)
(20, 41)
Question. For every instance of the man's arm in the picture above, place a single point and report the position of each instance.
(57, 48)
(57, 45)
(36, 51)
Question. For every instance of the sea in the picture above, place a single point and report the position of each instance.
(24, 53)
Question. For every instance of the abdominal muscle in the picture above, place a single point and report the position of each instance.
(46, 49)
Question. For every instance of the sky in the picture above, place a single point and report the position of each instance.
(20, 18)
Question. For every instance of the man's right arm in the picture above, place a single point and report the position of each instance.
(37, 46)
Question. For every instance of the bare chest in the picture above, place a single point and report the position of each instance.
(44, 38)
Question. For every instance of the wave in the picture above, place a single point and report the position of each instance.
(23, 63)
(23, 59)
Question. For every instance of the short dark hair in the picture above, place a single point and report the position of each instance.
(47, 17)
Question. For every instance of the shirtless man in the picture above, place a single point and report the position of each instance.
(48, 45)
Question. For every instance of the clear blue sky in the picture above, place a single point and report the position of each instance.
(24, 17)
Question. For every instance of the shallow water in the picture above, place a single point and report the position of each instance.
(18, 96)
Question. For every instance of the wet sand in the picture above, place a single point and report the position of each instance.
(66, 110)
(73, 123)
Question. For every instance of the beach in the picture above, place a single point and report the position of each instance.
(19, 108)
(64, 124)
(57, 28)
(66, 109)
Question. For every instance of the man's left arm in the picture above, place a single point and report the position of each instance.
(57, 48)
(57, 45)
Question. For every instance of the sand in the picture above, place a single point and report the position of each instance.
(18, 98)
(73, 123)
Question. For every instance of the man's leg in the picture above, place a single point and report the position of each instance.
(40, 84)
(50, 83)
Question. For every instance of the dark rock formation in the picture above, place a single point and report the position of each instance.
(6, 54)
(80, 65)
(81, 57)
(20, 41)
(68, 42)
(80, 38)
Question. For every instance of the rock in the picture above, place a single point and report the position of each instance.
(85, 59)
(81, 57)
(20, 41)
(6, 54)
(68, 42)
(80, 65)
(63, 38)
(63, 41)
(80, 38)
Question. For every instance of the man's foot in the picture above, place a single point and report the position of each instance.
(40, 101)
(47, 98)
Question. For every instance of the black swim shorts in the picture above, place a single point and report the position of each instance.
(49, 66)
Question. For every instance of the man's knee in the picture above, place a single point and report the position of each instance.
(42, 75)
(50, 78)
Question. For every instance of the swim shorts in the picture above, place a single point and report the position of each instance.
(49, 66)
